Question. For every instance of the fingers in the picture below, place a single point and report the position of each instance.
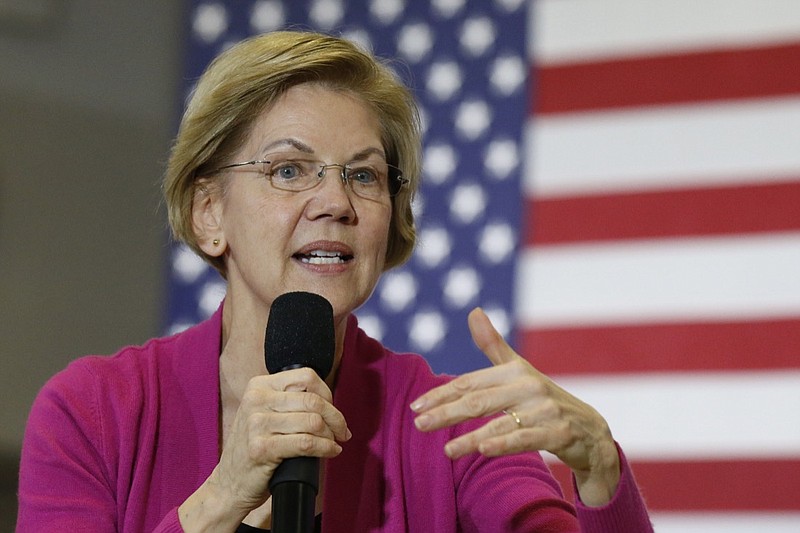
(488, 339)
(297, 402)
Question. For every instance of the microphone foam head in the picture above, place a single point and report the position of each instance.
(300, 333)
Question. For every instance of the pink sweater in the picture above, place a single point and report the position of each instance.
(118, 443)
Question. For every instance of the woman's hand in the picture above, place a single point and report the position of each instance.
(539, 415)
(283, 415)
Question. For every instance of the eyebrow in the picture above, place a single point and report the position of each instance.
(303, 147)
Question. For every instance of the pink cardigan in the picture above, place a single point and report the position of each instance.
(118, 443)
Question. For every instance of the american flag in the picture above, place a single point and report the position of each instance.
(617, 183)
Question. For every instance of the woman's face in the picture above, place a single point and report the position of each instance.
(325, 240)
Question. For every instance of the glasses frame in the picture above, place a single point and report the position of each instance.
(395, 175)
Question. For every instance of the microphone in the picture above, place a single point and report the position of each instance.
(299, 334)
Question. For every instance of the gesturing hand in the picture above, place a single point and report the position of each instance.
(539, 415)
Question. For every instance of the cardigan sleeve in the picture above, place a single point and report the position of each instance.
(625, 512)
(68, 480)
(518, 494)
(64, 484)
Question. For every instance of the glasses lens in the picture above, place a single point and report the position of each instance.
(367, 179)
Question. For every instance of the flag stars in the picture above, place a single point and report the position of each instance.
(444, 80)
(440, 163)
(427, 330)
(507, 74)
(477, 35)
(434, 246)
(387, 11)
(210, 22)
(461, 286)
(502, 158)
(448, 8)
(473, 118)
(372, 325)
(467, 202)
(211, 295)
(267, 15)
(415, 41)
(398, 290)
(500, 319)
(326, 13)
(187, 266)
(496, 242)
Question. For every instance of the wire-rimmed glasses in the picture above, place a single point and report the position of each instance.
(371, 178)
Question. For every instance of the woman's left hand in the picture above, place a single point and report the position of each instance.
(539, 415)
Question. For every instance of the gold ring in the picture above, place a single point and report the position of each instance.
(513, 415)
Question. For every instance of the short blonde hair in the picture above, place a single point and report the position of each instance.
(249, 77)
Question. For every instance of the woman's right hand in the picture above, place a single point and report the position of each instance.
(282, 415)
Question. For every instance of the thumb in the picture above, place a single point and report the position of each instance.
(488, 339)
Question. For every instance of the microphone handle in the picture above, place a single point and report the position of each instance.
(294, 488)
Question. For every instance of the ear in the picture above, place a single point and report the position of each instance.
(207, 218)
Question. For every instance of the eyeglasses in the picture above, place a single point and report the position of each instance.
(371, 179)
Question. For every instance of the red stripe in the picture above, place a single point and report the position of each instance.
(755, 345)
(683, 212)
(749, 485)
(667, 79)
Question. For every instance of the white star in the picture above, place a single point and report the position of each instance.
(211, 294)
(415, 41)
(372, 326)
(418, 205)
(187, 265)
(496, 242)
(467, 202)
(177, 327)
(434, 246)
(398, 290)
(507, 74)
(473, 118)
(499, 319)
(509, 6)
(387, 11)
(440, 162)
(501, 158)
(448, 8)
(477, 35)
(444, 79)
(326, 13)
(461, 286)
(210, 21)
(360, 38)
(267, 15)
(426, 331)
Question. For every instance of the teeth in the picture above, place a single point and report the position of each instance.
(322, 257)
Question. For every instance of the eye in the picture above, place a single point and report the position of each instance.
(363, 175)
(287, 170)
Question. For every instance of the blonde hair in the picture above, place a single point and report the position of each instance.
(249, 77)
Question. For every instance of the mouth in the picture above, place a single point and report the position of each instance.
(324, 253)
(322, 257)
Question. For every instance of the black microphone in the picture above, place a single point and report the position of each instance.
(299, 334)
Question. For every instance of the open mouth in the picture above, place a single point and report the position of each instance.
(322, 257)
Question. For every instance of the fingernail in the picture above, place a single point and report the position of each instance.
(418, 405)
(349, 434)
(422, 422)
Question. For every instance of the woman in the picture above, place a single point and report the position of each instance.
(285, 176)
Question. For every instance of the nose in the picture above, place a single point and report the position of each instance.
(332, 199)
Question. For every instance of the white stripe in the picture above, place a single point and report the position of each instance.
(661, 280)
(708, 522)
(663, 147)
(698, 416)
(578, 30)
